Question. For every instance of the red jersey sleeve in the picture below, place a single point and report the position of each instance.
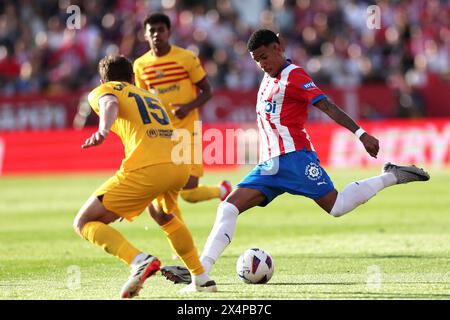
(304, 87)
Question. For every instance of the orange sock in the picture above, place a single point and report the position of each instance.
(181, 242)
(110, 240)
(201, 193)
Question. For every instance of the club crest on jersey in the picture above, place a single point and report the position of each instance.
(309, 85)
(313, 171)
(159, 74)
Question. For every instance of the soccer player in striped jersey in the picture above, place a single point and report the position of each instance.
(288, 162)
(175, 75)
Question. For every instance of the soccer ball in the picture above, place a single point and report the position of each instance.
(255, 266)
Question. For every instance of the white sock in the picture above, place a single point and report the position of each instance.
(357, 193)
(207, 262)
(200, 278)
(138, 258)
(221, 234)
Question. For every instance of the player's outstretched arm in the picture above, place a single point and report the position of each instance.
(109, 108)
(371, 144)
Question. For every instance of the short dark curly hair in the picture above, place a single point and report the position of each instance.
(157, 17)
(115, 68)
(261, 37)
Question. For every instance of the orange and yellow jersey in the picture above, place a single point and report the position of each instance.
(172, 77)
(142, 124)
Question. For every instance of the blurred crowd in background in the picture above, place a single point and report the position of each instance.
(329, 38)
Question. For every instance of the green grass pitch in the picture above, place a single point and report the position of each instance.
(397, 246)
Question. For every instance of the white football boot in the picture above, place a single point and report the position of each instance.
(405, 174)
(206, 284)
(139, 273)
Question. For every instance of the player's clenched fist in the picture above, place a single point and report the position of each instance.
(180, 110)
(96, 139)
(371, 144)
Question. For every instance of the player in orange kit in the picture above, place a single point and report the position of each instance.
(175, 74)
(147, 172)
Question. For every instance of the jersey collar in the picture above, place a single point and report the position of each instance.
(285, 65)
(168, 52)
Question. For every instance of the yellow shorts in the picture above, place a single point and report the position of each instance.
(196, 170)
(127, 194)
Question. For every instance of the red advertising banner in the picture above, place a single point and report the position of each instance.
(43, 112)
(404, 142)
(363, 102)
(38, 112)
(231, 145)
(239, 106)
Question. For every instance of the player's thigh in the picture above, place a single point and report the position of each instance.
(164, 207)
(302, 174)
(128, 194)
(246, 198)
(327, 201)
(157, 212)
(197, 170)
(93, 210)
(167, 199)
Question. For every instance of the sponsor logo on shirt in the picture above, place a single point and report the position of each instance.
(174, 87)
(162, 133)
(270, 107)
(152, 133)
(309, 85)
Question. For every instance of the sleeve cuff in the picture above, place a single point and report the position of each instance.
(318, 98)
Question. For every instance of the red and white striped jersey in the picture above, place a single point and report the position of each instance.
(282, 110)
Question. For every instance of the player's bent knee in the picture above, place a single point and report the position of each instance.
(78, 226)
(80, 221)
(338, 209)
(160, 217)
(336, 214)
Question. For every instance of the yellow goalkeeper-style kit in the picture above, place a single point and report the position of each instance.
(147, 171)
(172, 78)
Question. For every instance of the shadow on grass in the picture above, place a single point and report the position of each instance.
(389, 256)
(319, 295)
(298, 284)
(344, 295)
(385, 295)
(335, 283)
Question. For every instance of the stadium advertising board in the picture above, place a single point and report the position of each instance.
(231, 145)
(373, 102)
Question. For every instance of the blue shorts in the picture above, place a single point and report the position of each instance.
(296, 172)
